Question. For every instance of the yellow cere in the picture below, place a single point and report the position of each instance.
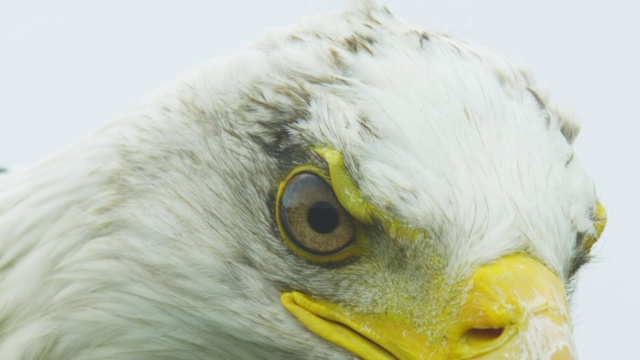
(515, 306)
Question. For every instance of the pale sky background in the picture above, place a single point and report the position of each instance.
(67, 67)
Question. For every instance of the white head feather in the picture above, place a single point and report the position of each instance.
(156, 238)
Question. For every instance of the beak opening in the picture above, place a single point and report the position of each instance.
(328, 321)
(513, 308)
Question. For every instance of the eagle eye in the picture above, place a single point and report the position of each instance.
(312, 217)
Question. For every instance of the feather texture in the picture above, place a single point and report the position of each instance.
(155, 237)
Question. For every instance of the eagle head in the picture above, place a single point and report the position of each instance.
(350, 187)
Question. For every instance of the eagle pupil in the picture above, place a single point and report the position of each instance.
(323, 217)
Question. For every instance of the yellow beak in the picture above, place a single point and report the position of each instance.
(515, 308)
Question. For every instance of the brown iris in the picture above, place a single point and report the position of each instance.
(312, 216)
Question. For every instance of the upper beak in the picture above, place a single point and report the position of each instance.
(515, 308)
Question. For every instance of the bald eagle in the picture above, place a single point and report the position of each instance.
(351, 187)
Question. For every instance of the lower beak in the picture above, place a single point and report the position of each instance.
(515, 308)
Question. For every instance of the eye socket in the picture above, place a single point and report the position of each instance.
(313, 218)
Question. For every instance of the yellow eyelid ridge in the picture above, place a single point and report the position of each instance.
(349, 195)
(354, 201)
(599, 223)
(341, 255)
(600, 219)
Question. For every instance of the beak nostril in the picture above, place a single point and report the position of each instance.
(479, 337)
